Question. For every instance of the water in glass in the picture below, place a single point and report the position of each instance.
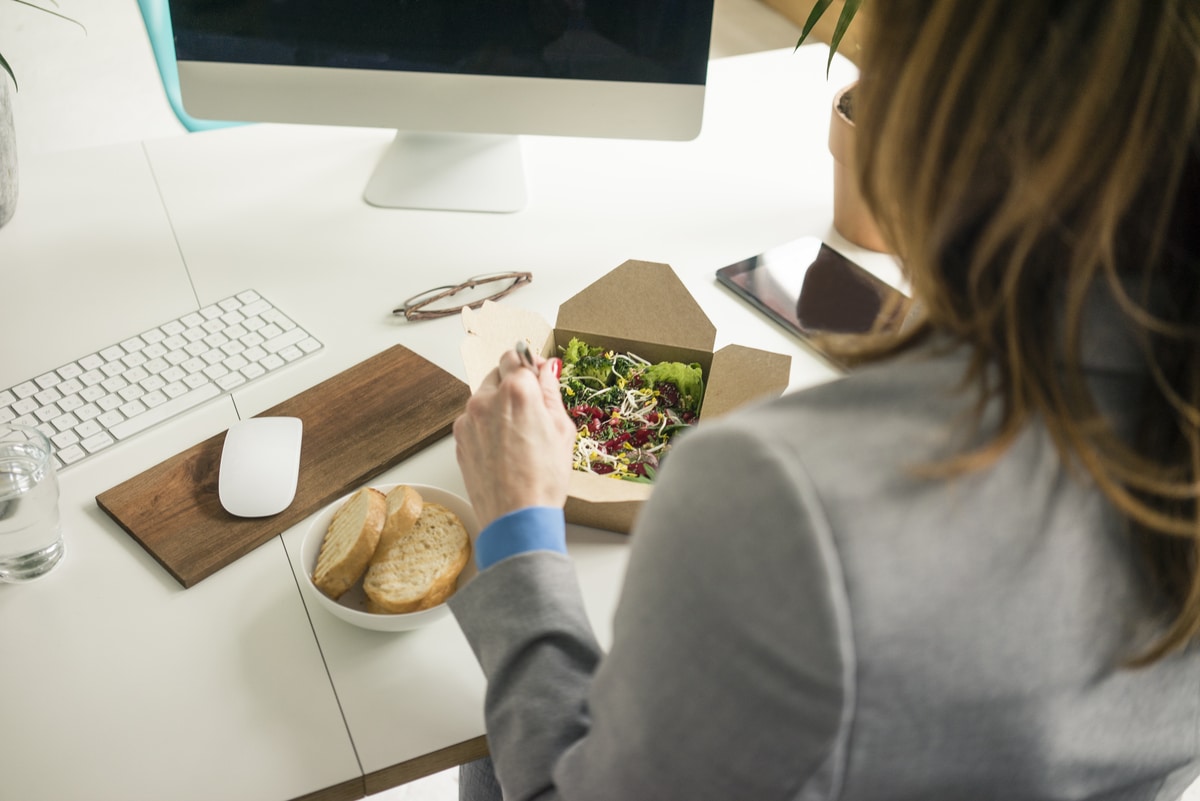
(30, 534)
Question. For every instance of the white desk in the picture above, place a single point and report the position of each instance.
(119, 684)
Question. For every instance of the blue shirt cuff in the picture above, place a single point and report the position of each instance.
(534, 528)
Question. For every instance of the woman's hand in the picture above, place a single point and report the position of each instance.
(514, 440)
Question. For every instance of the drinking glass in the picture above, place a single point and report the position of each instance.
(30, 535)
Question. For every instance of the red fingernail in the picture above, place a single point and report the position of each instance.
(556, 367)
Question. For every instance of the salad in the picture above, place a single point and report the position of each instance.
(626, 409)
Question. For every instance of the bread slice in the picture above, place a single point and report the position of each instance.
(350, 542)
(420, 570)
(404, 506)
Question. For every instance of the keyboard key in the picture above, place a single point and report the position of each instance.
(87, 429)
(278, 343)
(69, 386)
(133, 408)
(235, 362)
(64, 438)
(65, 422)
(215, 371)
(70, 454)
(47, 380)
(134, 359)
(156, 366)
(70, 403)
(255, 308)
(97, 442)
(231, 380)
(111, 418)
(152, 399)
(131, 392)
(25, 406)
(91, 361)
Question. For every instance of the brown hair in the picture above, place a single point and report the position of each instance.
(1019, 156)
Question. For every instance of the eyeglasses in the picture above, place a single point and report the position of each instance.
(443, 301)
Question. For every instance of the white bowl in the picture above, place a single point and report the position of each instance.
(352, 606)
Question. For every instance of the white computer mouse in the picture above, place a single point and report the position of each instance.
(260, 465)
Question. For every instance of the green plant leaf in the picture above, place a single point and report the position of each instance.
(839, 30)
(813, 16)
(8, 69)
(52, 12)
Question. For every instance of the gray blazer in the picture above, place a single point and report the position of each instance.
(804, 617)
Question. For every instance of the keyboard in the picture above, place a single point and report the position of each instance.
(94, 402)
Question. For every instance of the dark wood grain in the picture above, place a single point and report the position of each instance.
(427, 765)
(356, 425)
(349, 790)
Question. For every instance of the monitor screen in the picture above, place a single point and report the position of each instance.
(458, 79)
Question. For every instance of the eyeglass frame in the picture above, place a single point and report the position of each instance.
(416, 311)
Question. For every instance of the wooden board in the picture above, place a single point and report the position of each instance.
(356, 425)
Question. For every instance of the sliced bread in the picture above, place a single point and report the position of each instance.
(350, 542)
(404, 506)
(420, 570)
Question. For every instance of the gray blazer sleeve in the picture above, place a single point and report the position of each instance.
(730, 673)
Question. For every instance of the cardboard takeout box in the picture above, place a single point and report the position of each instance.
(642, 308)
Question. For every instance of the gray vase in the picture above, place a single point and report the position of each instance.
(8, 153)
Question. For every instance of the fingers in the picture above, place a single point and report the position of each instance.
(548, 374)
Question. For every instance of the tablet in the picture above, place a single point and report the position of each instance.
(814, 291)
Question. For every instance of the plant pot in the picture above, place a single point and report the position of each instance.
(8, 153)
(851, 218)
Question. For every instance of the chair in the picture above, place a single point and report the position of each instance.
(157, 17)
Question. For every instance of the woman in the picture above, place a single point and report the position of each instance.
(968, 570)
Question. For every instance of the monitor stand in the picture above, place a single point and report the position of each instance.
(450, 172)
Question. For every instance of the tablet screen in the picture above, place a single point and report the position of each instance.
(811, 290)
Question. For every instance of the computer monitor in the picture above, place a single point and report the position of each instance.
(460, 80)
